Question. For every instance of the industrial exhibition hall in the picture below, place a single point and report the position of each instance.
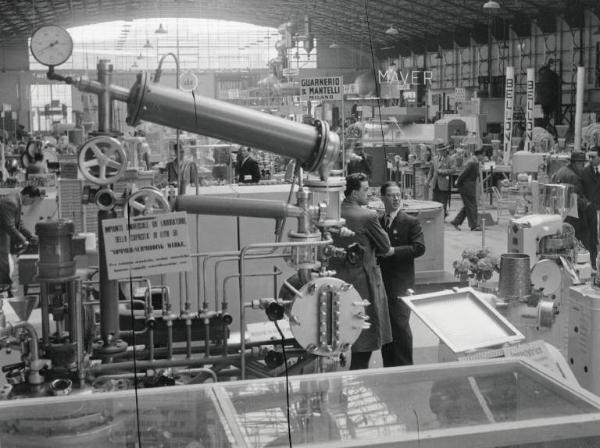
(285, 223)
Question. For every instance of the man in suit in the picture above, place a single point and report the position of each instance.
(360, 268)
(248, 169)
(439, 177)
(590, 179)
(398, 272)
(12, 232)
(467, 187)
(572, 174)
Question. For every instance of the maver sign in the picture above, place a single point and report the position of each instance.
(327, 88)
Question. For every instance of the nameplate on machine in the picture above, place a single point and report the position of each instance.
(146, 245)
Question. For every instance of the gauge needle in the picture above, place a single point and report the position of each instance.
(50, 45)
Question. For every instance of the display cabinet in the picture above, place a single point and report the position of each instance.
(491, 403)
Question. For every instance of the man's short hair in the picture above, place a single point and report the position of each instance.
(478, 152)
(31, 191)
(354, 182)
(385, 186)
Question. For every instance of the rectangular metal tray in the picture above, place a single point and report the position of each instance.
(463, 320)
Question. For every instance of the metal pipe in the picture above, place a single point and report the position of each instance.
(79, 333)
(275, 273)
(104, 97)
(45, 313)
(209, 255)
(166, 363)
(150, 344)
(314, 146)
(579, 107)
(232, 353)
(223, 260)
(257, 208)
(188, 338)
(109, 290)
(170, 339)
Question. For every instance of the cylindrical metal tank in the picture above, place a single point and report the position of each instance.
(515, 277)
(314, 146)
(56, 249)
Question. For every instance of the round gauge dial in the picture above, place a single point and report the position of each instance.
(51, 45)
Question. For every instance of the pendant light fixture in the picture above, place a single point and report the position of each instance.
(160, 30)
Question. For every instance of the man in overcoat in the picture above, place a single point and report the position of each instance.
(360, 268)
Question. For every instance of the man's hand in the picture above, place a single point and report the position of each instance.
(389, 253)
(21, 249)
(34, 241)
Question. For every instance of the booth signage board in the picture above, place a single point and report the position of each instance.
(508, 112)
(529, 114)
(146, 245)
(327, 88)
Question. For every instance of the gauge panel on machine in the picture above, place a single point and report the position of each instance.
(51, 45)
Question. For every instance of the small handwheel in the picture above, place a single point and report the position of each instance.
(102, 160)
(147, 201)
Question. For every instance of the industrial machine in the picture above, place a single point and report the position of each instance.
(87, 341)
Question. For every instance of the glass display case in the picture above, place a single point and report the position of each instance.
(491, 403)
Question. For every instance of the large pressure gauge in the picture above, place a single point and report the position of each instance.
(51, 45)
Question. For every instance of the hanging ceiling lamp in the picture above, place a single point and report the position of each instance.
(148, 44)
(392, 31)
(140, 56)
(160, 30)
(491, 4)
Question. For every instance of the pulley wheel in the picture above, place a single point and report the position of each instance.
(102, 160)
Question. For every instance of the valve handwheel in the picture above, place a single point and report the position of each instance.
(147, 201)
(102, 160)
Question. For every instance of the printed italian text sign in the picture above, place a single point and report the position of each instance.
(146, 245)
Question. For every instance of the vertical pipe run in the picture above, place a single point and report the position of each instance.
(45, 313)
(109, 291)
(489, 49)
(104, 99)
(579, 107)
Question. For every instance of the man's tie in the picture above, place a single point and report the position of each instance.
(388, 221)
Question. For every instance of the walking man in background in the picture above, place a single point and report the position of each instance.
(398, 272)
(439, 178)
(467, 187)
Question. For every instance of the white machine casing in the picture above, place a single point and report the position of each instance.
(524, 234)
(584, 336)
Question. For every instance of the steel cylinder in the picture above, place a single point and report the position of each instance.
(313, 146)
(515, 276)
(257, 208)
(56, 249)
